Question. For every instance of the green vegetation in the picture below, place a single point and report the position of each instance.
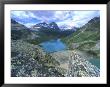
(19, 34)
(42, 37)
(85, 38)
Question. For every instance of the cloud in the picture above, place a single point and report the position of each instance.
(84, 15)
(43, 15)
(29, 24)
(69, 18)
(61, 15)
(19, 14)
(79, 18)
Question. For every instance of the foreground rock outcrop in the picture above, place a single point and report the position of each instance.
(28, 60)
(79, 67)
(75, 65)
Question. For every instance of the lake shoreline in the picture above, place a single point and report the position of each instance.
(57, 46)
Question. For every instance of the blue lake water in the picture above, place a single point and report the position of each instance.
(58, 45)
(53, 45)
(95, 61)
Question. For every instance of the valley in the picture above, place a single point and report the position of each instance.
(44, 50)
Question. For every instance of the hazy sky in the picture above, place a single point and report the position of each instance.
(68, 18)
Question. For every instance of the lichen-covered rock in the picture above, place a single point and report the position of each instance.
(79, 67)
(74, 64)
(28, 60)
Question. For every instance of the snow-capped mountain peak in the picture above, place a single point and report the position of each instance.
(65, 27)
(51, 25)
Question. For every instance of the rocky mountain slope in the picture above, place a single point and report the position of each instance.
(44, 25)
(19, 31)
(52, 29)
(86, 38)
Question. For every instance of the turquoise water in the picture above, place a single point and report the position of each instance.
(53, 45)
(58, 45)
(95, 62)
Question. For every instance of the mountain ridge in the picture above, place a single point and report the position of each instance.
(86, 38)
(44, 25)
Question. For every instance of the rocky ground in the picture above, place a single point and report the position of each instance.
(28, 60)
(75, 64)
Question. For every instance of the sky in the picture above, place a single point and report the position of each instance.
(62, 18)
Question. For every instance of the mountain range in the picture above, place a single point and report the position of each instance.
(50, 30)
(51, 25)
